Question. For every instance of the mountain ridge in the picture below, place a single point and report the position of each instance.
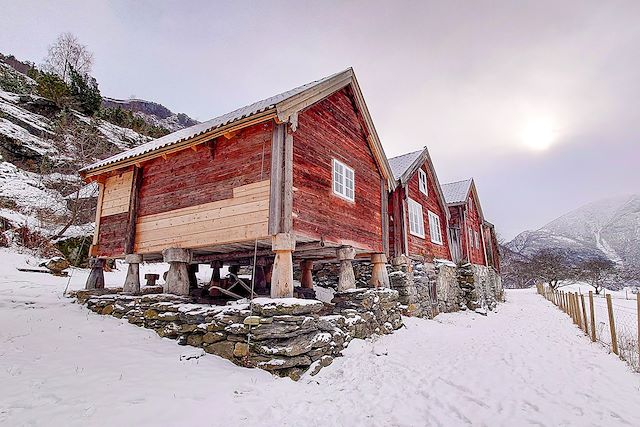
(608, 228)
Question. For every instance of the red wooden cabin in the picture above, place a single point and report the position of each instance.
(418, 210)
(298, 176)
(465, 225)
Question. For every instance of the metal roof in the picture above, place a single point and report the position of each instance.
(202, 128)
(456, 192)
(400, 164)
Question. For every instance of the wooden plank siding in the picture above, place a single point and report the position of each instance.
(215, 194)
(243, 217)
(194, 177)
(332, 129)
(474, 221)
(431, 202)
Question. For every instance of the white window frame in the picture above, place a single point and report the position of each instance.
(422, 182)
(416, 218)
(477, 239)
(435, 228)
(343, 185)
(470, 239)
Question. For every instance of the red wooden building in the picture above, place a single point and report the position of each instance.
(300, 176)
(467, 223)
(418, 210)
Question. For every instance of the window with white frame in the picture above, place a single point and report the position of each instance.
(477, 239)
(422, 182)
(470, 237)
(343, 180)
(434, 228)
(416, 220)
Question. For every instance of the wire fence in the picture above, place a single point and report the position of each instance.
(612, 319)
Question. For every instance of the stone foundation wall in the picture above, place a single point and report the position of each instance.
(284, 336)
(427, 289)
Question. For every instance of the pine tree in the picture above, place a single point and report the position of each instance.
(84, 89)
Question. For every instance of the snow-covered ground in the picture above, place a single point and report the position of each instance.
(526, 364)
(625, 315)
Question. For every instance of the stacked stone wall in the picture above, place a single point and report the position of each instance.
(284, 336)
(427, 289)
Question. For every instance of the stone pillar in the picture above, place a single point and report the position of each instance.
(132, 282)
(259, 279)
(347, 279)
(401, 261)
(96, 277)
(379, 274)
(177, 281)
(306, 279)
(283, 244)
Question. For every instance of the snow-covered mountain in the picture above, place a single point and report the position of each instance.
(608, 228)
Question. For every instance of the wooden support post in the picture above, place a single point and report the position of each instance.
(193, 280)
(379, 273)
(130, 238)
(259, 279)
(151, 279)
(132, 282)
(215, 274)
(347, 279)
(283, 244)
(592, 317)
(177, 281)
(306, 279)
(612, 326)
(584, 315)
(96, 276)
(215, 278)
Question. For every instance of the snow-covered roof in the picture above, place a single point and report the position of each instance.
(201, 128)
(456, 192)
(400, 164)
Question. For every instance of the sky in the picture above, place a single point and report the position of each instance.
(538, 101)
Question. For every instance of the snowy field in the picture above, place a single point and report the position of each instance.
(61, 365)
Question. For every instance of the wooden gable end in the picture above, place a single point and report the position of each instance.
(431, 202)
(332, 129)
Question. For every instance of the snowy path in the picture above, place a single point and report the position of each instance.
(526, 364)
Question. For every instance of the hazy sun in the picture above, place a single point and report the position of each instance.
(538, 134)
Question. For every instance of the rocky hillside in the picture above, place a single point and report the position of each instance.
(43, 203)
(152, 113)
(608, 228)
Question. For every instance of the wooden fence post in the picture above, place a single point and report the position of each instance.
(578, 314)
(572, 301)
(584, 315)
(593, 317)
(612, 326)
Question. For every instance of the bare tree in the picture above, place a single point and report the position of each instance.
(600, 274)
(66, 52)
(549, 266)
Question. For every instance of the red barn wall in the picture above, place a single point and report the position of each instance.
(425, 247)
(332, 129)
(190, 178)
(474, 221)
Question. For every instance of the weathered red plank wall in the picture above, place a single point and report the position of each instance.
(474, 221)
(332, 129)
(190, 178)
(425, 247)
(111, 235)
